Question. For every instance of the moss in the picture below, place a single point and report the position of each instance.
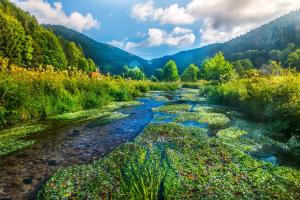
(214, 120)
(174, 108)
(171, 161)
(12, 139)
(94, 113)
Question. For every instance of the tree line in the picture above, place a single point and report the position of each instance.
(27, 44)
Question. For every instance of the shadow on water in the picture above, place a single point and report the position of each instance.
(22, 173)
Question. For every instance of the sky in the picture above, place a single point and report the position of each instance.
(155, 28)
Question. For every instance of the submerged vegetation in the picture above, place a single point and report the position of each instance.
(173, 161)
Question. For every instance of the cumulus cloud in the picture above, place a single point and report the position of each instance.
(178, 37)
(226, 19)
(53, 14)
(170, 15)
(221, 19)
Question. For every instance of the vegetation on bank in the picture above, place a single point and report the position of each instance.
(28, 94)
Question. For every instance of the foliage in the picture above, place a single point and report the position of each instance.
(294, 60)
(12, 139)
(14, 43)
(274, 99)
(190, 74)
(41, 93)
(170, 72)
(28, 44)
(135, 73)
(272, 68)
(241, 66)
(218, 69)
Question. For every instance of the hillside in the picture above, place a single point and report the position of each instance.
(255, 45)
(107, 57)
(28, 44)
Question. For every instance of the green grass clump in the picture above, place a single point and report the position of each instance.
(214, 120)
(174, 108)
(12, 139)
(271, 99)
(94, 113)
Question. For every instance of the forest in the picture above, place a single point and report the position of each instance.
(76, 122)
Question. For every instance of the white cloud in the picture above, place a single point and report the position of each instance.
(221, 19)
(226, 19)
(178, 37)
(170, 15)
(54, 14)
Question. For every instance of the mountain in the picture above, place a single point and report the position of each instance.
(108, 58)
(255, 45)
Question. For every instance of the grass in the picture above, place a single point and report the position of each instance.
(174, 108)
(12, 139)
(40, 93)
(94, 113)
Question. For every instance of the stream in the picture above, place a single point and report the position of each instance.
(63, 145)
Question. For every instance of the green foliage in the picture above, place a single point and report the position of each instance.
(274, 99)
(135, 73)
(14, 43)
(190, 74)
(218, 69)
(159, 74)
(41, 93)
(47, 49)
(21, 37)
(241, 66)
(294, 60)
(12, 139)
(272, 68)
(170, 72)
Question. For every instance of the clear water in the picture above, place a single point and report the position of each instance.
(23, 173)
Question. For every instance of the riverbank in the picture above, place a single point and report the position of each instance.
(37, 94)
(66, 144)
(16, 138)
(191, 150)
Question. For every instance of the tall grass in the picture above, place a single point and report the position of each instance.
(275, 99)
(27, 94)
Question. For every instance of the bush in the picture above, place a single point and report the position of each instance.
(37, 94)
(274, 99)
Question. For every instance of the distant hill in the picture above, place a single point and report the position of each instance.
(108, 58)
(255, 45)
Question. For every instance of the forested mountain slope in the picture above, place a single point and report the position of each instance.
(108, 58)
(255, 45)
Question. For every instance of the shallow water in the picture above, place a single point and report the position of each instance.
(22, 173)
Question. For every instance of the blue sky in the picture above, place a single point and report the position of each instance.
(154, 28)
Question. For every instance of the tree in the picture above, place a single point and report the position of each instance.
(47, 49)
(14, 44)
(159, 74)
(190, 74)
(241, 66)
(294, 60)
(170, 71)
(135, 73)
(218, 69)
(272, 68)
